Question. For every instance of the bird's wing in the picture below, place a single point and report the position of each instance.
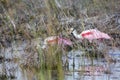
(86, 33)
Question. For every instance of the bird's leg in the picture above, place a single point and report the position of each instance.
(73, 62)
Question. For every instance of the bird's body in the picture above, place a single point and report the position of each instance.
(52, 40)
(91, 34)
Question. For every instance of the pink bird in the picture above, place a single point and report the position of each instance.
(93, 34)
(52, 40)
(90, 34)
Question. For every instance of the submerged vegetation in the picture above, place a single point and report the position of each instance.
(29, 22)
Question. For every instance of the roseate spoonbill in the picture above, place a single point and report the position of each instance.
(52, 40)
(91, 34)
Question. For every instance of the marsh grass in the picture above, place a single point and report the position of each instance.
(26, 20)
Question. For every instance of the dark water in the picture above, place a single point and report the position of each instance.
(15, 56)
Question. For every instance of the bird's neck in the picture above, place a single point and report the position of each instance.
(79, 36)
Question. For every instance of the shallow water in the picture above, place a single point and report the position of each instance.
(15, 56)
(113, 67)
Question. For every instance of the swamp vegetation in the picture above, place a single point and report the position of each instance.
(24, 24)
